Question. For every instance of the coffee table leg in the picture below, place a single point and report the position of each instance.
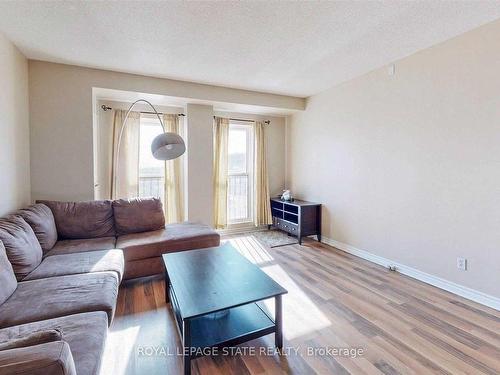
(186, 342)
(167, 287)
(278, 321)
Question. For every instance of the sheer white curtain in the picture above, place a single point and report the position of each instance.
(174, 198)
(126, 169)
(220, 178)
(262, 213)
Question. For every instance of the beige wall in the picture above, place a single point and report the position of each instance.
(62, 119)
(199, 143)
(14, 129)
(408, 166)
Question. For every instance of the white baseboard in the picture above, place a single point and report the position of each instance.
(463, 291)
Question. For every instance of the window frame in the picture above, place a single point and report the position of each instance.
(149, 120)
(249, 129)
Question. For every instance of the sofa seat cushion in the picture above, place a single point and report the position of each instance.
(21, 245)
(174, 237)
(8, 281)
(60, 296)
(138, 215)
(79, 246)
(85, 333)
(41, 220)
(78, 263)
(90, 219)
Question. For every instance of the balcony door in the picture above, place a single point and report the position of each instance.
(240, 173)
(151, 170)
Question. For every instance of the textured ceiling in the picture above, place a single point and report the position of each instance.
(292, 48)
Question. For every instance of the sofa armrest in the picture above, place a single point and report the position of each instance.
(53, 358)
(35, 338)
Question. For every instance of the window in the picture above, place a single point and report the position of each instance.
(240, 173)
(151, 170)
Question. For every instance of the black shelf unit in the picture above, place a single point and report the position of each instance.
(298, 218)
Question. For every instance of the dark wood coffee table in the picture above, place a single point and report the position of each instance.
(219, 280)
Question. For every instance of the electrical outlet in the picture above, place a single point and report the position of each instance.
(462, 264)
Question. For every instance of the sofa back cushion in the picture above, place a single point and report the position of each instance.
(8, 280)
(22, 246)
(41, 220)
(75, 220)
(138, 215)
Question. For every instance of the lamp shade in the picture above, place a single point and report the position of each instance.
(168, 146)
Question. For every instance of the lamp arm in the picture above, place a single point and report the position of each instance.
(122, 128)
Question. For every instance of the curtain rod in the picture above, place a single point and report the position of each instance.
(246, 120)
(106, 108)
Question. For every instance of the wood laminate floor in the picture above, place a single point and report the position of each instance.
(335, 300)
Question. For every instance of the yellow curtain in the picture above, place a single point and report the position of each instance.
(221, 132)
(261, 192)
(174, 198)
(125, 171)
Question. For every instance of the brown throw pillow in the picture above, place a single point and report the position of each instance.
(35, 338)
(8, 282)
(22, 246)
(41, 220)
(75, 220)
(138, 215)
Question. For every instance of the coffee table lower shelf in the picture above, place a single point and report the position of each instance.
(241, 324)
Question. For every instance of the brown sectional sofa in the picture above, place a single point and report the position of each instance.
(137, 227)
(61, 264)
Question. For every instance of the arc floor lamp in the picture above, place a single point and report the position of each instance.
(166, 146)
